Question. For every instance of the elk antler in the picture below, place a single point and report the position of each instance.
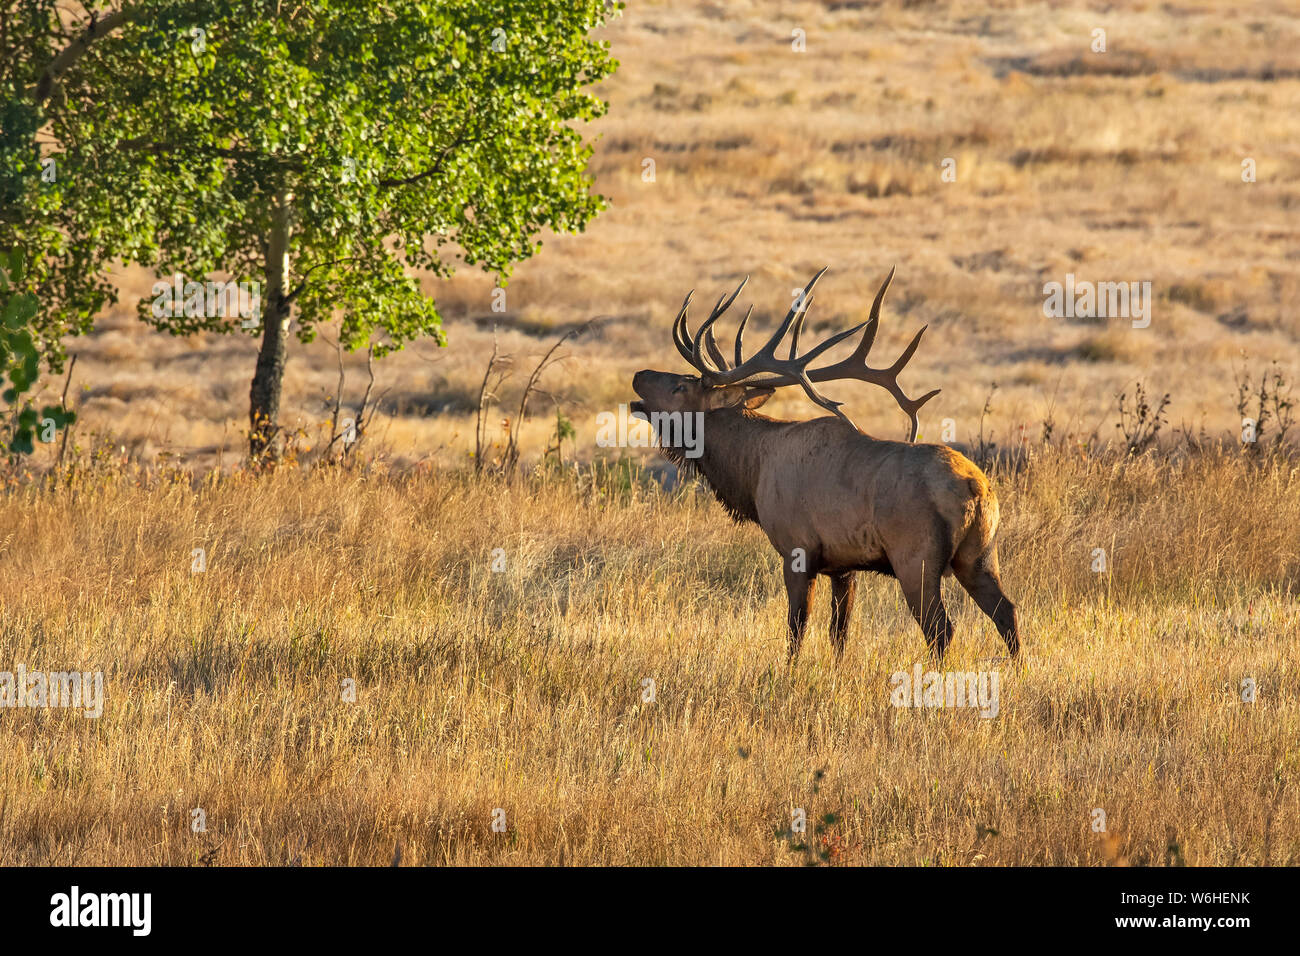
(702, 351)
(690, 348)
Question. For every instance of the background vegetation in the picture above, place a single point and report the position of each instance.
(1120, 166)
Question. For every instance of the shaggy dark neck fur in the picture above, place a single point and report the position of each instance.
(733, 455)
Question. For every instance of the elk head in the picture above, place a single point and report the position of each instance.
(747, 383)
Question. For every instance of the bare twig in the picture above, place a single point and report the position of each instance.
(485, 395)
(63, 442)
(365, 413)
(338, 394)
(512, 445)
(363, 420)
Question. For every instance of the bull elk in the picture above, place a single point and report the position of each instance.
(832, 500)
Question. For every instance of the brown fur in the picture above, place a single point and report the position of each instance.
(834, 501)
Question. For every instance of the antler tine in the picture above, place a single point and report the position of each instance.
(723, 307)
(711, 343)
(704, 336)
(698, 359)
(819, 399)
(765, 360)
(880, 294)
(909, 406)
(908, 352)
(873, 321)
(681, 335)
(797, 309)
(740, 335)
(915, 406)
(798, 327)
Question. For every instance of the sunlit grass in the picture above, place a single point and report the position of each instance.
(524, 689)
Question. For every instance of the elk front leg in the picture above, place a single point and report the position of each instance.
(843, 588)
(920, 581)
(799, 586)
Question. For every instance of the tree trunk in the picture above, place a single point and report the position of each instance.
(264, 396)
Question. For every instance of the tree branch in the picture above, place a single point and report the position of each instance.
(98, 28)
(460, 140)
(143, 144)
(320, 265)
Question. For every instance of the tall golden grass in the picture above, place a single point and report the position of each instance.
(524, 689)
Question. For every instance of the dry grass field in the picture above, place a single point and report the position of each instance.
(522, 689)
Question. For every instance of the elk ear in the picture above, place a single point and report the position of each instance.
(755, 397)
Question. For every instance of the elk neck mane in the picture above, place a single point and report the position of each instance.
(733, 452)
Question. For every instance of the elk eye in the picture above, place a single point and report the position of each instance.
(680, 388)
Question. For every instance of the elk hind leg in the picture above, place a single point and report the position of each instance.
(981, 581)
(843, 588)
(920, 581)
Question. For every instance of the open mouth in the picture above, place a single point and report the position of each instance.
(637, 409)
